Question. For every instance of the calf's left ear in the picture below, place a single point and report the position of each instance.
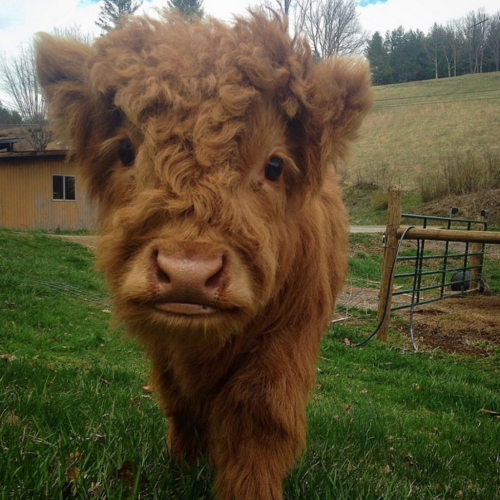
(338, 96)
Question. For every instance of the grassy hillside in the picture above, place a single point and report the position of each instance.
(419, 134)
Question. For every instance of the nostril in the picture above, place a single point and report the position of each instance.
(162, 276)
(161, 272)
(216, 279)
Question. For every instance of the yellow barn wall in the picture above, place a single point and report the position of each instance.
(26, 195)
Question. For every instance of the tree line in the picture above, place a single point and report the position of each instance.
(463, 46)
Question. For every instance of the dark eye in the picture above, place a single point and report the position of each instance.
(126, 153)
(274, 168)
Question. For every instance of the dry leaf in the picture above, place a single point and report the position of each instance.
(76, 456)
(69, 490)
(8, 357)
(127, 473)
(490, 412)
(106, 311)
(72, 473)
(13, 420)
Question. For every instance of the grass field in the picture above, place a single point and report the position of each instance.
(77, 419)
(417, 131)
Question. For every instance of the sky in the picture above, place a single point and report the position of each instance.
(20, 19)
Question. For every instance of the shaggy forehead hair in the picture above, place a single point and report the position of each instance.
(174, 65)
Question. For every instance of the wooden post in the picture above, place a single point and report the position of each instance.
(475, 260)
(391, 244)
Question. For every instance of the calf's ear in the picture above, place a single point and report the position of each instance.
(61, 65)
(338, 96)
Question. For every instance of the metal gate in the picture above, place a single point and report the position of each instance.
(454, 272)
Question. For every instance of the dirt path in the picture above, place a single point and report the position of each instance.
(87, 241)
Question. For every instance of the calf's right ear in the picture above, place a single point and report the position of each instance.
(61, 65)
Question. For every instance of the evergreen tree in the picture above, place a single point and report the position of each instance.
(407, 55)
(9, 117)
(379, 61)
(113, 10)
(191, 9)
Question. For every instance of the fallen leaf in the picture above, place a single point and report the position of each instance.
(386, 469)
(347, 342)
(106, 311)
(490, 412)
(13, 420)
(72, 473)
(8, 357)
(69, 490)
(147, 387)
(127, 473)
(103, 381)
(76, 456)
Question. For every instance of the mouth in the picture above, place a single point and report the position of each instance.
(186, 308)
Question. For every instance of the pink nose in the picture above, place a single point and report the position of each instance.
(192, 279)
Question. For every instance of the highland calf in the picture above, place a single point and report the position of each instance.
(211, 150)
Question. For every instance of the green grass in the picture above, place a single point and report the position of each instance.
(361, 201)
(76, 422)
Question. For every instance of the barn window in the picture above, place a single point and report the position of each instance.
(63, 187)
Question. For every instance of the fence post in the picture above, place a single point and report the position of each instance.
(391, 243)
(475, 261)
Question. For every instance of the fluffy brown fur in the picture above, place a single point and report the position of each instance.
(225, 273)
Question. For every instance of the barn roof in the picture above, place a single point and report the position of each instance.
(31, 154)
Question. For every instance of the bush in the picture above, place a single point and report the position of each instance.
(379, 200)
(460, 173)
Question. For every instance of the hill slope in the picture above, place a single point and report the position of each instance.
(417, 129)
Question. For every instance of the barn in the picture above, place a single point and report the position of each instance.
(41, 190)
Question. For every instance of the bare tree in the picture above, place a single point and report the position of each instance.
(475, 31)
(494, 39)
(332, 26)
(452, 43)
(75, 31)
(433, 43)
(282, 7)
(18, 79)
